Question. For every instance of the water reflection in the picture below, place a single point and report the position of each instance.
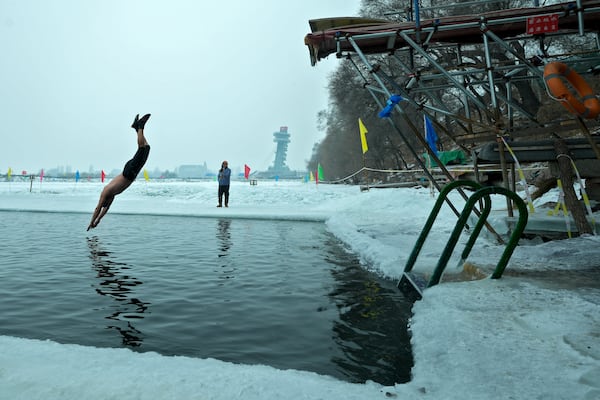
(372, 330)
(224, 236)
(226, 267)
(115, 282)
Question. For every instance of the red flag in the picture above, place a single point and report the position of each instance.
(317, 177)
(246, 171)
(102, 176)
(42, 175)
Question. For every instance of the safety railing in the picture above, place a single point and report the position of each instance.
(411, 285)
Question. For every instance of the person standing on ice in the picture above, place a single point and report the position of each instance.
(224, 178)
(130, 171)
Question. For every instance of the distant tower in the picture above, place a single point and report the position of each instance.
(282, 138)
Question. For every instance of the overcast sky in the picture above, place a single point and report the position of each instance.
(219, 77)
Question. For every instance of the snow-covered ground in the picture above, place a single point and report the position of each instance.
(533, 334)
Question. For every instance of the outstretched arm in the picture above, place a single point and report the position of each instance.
(96, 213)
(100, 211)
(114, 187)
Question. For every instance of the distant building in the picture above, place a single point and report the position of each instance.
(192, 171)
(282, 138)
(279, 169)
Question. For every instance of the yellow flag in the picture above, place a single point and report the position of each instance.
(9, 173)
(146, 177)
(363, 137)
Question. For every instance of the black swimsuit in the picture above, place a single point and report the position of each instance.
(133, 167)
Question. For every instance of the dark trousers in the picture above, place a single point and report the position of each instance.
(133, 167)
(224, 190)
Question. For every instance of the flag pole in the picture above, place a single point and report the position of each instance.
(41, 178)
(430, 138)
(8, 176)
(365, 171)
(362, 129)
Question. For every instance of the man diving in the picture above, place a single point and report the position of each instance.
(130, 171)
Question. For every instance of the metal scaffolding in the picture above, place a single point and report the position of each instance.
(477, 78)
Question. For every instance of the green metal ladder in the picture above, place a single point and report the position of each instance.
(411, 285)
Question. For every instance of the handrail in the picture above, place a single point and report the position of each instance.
(516, 235)
(481, 194)
(432, 216)
(512, 243)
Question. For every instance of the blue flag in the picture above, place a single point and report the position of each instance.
(430, 135)
(387, 110)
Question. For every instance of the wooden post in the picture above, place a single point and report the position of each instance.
(566, 175)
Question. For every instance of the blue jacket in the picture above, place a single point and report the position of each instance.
(224, 177)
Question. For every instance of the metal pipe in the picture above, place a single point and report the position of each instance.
(487, 33)
(465, 4)
(412, 258)
(490, 71)
(417, 20)
(409, 122)
(441, 69)
(579, 18)
(467, 108)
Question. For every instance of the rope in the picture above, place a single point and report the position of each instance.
(584, 195)
(559, 99)
(373, 170)
(521, 175)
(561, 202)
(349, 176)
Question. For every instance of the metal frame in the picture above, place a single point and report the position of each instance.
(419, 86)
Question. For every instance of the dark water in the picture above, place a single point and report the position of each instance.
(279, 293)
